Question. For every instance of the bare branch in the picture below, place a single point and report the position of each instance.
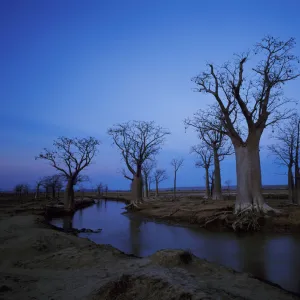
(71, 156)
(138, 142)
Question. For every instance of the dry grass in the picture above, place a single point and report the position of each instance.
(218, 215)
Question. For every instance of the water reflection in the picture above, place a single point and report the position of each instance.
(67, 223)
(135, 236)
(271, 257)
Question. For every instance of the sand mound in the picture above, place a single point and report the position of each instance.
(172, 258)
(140, 288)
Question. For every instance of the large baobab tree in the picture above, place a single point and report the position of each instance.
(138, 142)
(159, 176)
(147, 168)
(214, 139)
(176, 164)
(70, 156)
(205, 156)
(249, 100)
(285, 152)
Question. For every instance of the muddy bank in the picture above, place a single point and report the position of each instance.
(215, 215)
(37, 262)
(58, 209)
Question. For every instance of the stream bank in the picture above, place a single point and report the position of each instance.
(37, 262)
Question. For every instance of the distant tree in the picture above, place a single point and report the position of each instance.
(21, 190)
(106, 189)
(151, 180)
(159, 176)
(205, 155)
(216, 140)
(147, 168)
(138, 142)
(177, 164)
(249, 101)
(100, 189)
(70, 156)
(38, 185)
(285, 151)
(228, 183)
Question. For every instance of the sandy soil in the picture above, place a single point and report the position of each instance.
(37, 262)
(196, 212)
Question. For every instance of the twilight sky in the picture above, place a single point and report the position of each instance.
(75, 68)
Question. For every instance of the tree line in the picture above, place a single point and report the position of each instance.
(248, 98)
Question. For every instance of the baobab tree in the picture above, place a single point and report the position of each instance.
(159, 176)
(205, 156)
(285, 151)
(214, 139)
(176, 163)
(53, 183)
(99, 189)
(138, 142)
(147, 168)
(249, 100)
(228, 183)
(70, 156)
(38, 185)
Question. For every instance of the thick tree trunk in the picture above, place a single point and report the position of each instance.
(291, 184)
(298, 188)
(212, 185)
(69, 195)
(207, 192)
(217, 191)
(297, 173)
(37, 192)
(248, 171)
(137, 190)
(156, 188)
(146, 187)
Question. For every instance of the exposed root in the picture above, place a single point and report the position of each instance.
(132, 206)
(249, 218)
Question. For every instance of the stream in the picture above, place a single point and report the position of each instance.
(273, 257)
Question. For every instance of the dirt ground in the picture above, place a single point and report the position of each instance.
(37, 262)
(196, 212)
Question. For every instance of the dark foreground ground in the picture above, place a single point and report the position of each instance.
(37, 262)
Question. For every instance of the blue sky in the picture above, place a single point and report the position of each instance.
(75, 68)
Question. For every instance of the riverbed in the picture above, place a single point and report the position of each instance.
(272, 257)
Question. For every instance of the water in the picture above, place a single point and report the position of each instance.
(273, 257)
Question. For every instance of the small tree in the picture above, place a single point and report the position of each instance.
(216, 140)
(177, 164)
(70, 157)
(138, 142)
(159, 176)
(285, 151)
(228, 183)
(205, 156)
(21, 190)
(147, 168)
(99, 189)
(249, 101)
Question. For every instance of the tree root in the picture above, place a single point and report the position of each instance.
(248, 219)
(132, 207)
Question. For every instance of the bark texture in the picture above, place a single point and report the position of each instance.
(249, 186)
(69, 196)
(217, 190)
